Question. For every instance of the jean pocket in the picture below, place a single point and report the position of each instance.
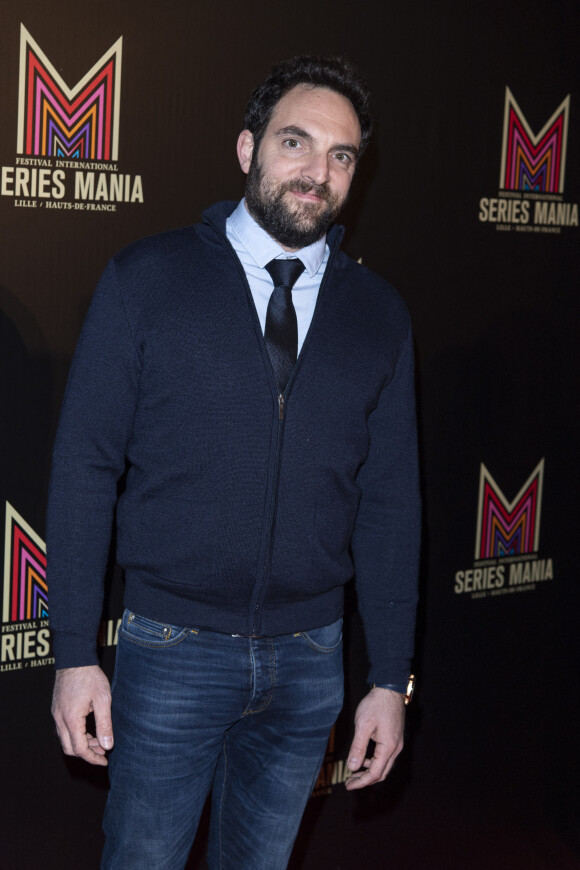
(326, 639)
(147, 632)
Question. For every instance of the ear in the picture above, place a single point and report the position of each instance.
(245, 149)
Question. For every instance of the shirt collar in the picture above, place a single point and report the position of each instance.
(263, 248)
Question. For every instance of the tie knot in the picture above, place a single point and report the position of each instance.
(285, 273)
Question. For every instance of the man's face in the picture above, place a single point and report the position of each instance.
(299, 178)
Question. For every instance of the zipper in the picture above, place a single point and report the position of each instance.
(262, 581)
(272, 517)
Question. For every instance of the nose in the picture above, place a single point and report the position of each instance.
(316, 168)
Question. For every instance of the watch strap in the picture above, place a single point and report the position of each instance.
(405, 689)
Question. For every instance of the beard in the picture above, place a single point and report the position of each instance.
(293, 224)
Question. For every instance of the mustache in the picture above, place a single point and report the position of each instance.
(300, 185)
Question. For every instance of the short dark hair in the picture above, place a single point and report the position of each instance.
(334, 73)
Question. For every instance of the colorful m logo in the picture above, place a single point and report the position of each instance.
(74, 123)
(508, 528)
(25, 590)
(529, 161)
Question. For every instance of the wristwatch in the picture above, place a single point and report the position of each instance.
(406, 691)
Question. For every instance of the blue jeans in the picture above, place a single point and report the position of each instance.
(194, 711)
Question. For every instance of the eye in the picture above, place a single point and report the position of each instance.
(343, 157)
(292, 143)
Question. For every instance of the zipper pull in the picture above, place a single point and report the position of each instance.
(281, 406)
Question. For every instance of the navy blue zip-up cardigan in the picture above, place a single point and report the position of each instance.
(243, 512)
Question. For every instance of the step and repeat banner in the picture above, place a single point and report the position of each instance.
(120, 120)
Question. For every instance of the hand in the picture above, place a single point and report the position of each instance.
(380, 716)
(78, 692)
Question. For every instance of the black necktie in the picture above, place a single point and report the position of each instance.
(281, 332)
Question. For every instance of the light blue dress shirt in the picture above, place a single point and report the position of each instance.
(255, 248)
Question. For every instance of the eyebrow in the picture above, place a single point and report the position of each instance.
(292, 130)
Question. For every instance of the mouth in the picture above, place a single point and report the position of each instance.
(307, 197)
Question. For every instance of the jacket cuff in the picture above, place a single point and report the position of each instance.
(394, 672)
(72, 651)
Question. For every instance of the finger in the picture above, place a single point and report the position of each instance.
(102, 713)
(358, 749)
(377, 768)
(375, 771)
(64, 737)
(103, 720)
(94, 744)
(80, 744)
(75, 727)
(68, 736)
(90, 750)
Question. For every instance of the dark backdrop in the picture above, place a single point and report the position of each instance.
(489, 775)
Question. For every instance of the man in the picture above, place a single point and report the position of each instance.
(258, 386)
